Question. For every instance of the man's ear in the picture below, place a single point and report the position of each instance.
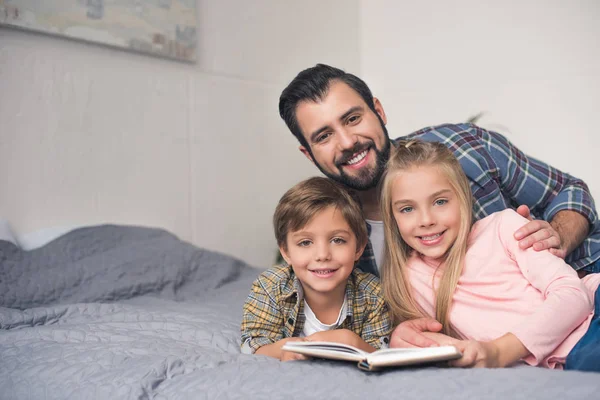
(306, 153)
(380, 110)
(284, 254)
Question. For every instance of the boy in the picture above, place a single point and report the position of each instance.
(321, 233)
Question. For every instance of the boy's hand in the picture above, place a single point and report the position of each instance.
(290, 355)
(410, 333)
(274, 350)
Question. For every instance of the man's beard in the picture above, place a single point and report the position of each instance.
(367, 178)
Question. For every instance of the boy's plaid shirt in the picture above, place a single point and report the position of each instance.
(274, 309)
(501, 176)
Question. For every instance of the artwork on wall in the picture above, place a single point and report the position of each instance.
(160, 27)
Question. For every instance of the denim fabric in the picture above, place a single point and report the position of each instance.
(585, 356)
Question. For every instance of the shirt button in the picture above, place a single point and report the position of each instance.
(291, 321)
(386, 340)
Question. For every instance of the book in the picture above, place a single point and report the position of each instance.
(378, 359)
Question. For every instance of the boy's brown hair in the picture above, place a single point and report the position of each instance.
(303, 201)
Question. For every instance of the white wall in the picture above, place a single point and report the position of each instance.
(91, 135)
(532, 65)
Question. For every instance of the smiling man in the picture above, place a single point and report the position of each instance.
(341, 129)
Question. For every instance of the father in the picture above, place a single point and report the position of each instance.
(341, 129)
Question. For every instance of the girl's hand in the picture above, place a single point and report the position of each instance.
(441, 339)
(411, 333)
(476, 354)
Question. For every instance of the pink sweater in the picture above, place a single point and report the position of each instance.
(534, 295)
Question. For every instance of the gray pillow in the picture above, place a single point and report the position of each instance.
(108, 263)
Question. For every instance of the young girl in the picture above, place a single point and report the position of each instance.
(503, 303)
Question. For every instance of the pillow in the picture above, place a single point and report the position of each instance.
(6, 233)
(42, 237)
(109, 263)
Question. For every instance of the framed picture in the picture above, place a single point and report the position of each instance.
(164, 28)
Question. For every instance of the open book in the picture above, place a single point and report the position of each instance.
(376, 360)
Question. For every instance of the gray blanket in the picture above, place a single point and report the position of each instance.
(115, 312)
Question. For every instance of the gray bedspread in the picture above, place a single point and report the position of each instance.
(114, 312)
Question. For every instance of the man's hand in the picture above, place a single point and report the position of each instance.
(539, 234)
(410, 333)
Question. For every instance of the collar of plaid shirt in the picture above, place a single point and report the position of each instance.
(293, 307)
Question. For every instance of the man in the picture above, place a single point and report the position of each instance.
(341, 129)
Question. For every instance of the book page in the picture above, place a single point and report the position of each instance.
(412, 356)
(330, 350)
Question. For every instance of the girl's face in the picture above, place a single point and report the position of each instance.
(427, 211)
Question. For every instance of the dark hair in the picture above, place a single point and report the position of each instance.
(303, 201)
(313, 84)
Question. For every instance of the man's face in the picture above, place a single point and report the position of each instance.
(347, 141)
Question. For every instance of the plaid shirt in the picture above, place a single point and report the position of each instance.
(274, 309)
(501, 176)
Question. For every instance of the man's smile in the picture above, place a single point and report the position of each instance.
(358, 157)
(354, 157)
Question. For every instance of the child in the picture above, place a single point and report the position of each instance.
(508, 304)
(319, 295)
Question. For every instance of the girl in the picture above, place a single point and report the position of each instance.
(498, 304)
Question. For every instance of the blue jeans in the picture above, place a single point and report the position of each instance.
(585, 356)
(593, 268)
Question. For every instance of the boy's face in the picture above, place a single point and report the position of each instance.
(322, 254)
(427, 211)
(347, 140)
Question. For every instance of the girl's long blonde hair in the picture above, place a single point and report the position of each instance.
(396, 286)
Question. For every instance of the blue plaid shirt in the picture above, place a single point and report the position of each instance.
(501, 176)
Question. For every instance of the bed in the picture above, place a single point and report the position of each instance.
(122, 312)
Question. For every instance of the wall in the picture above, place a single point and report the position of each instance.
(533, 66)
(90, 134)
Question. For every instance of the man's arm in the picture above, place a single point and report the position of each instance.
(561, 236)
(572, 228)
(546, 190)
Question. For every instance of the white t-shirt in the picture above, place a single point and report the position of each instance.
(377, 240)
(313, 325)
